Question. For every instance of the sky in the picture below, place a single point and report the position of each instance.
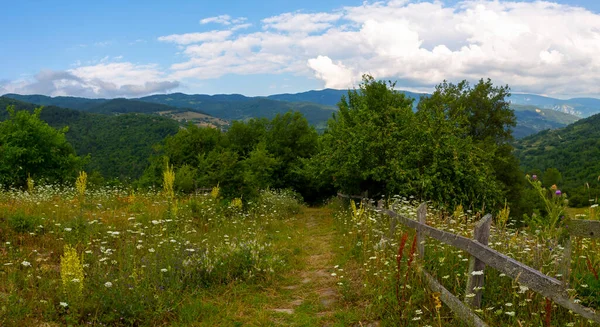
(107, 49)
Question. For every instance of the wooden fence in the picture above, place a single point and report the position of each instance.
(482, 256)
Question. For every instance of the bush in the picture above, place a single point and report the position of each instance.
(21, 222)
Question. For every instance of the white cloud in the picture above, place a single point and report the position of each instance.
(222, 19)
(299, 22)
(116, 79)
(539, 47)
(335, 75)
(188, 38)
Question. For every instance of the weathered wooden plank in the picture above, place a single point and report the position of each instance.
(584, 228)
(535, 280)
(461, 310)
(422, 218)
(475, 280)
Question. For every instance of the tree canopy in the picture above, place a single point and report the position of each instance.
(30, 147)
(446, 151)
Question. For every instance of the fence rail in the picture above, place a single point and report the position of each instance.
(482, 256)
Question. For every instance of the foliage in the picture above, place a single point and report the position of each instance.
(555, 204)
(30, 148)
(573, 151)
(138, 263)
(373, 265)
(249, 157)
(364, 146)
(452, 150)
(118, 146)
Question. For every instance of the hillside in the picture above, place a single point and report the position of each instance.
(327, 97)
(239, 107)
(124, 106)
(64, 102)
(581, 107)
(119, 146)
(317, 107)
(574, 150)
(531, 120)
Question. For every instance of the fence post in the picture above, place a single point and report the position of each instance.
(421, 217)
(475, 281)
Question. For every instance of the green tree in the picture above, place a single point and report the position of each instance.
(551, 177)
(363, 148)
(29, 146)
(483, 113)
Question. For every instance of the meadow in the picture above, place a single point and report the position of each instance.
(115, 257)
(384, 274)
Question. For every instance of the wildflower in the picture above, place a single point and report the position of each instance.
(510, 313)
(108, 284)
(81, 182)
(68, 229)
(26, 264)
(534, 177)
(558, 192)
(168, 181)
(71, 268)
(151, 250)
(477, 273)
(164, 270)
(64, 304)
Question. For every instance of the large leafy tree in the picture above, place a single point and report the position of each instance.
(483, 114)
(445, 151)
(30, 147)
(365, 142)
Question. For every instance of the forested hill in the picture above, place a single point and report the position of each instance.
(316, 106)
(119, 146)
(328, 97)
(573, 150)
(239, 107)
(64, 102)
(531, 119)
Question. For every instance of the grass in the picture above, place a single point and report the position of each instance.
(146, 260)
(391, 291)
(200, 260)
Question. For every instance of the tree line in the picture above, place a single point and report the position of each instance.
(454, 148)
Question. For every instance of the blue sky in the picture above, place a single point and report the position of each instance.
(134, 48)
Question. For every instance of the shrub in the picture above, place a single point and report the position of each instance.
(21, 222)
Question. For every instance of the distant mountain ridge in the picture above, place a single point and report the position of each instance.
(534, 113)
(581, 107)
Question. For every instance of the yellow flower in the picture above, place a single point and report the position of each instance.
(81, 183)
(71, 271)
(237, 203)
(29, 184)
(168, 181)
(436, 298)
(215, 192)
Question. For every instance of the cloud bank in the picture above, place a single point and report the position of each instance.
(103, 80)
(535, 47)
(539, 47)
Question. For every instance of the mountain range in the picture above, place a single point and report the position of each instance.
(534, 113)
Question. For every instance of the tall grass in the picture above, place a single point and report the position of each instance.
(380, 276)
(112, 257)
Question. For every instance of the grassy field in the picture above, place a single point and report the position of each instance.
(383, 274)
(114, 257)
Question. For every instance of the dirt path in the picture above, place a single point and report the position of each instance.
(308, 295)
